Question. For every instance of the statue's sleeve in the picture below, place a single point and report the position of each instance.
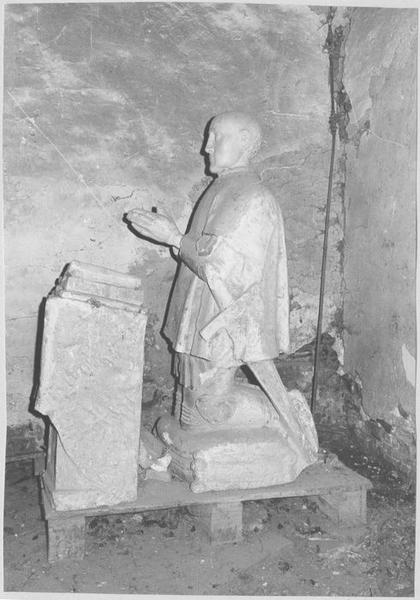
(231, 258)
(189, 254)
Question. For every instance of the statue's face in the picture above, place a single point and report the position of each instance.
(226, 146)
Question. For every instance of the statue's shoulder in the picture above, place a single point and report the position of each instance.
(252, 191)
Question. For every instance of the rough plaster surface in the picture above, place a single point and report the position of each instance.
(90, 388)
(379, 265)
(123, 93)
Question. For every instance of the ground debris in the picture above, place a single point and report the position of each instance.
(284, 566)
(290, 548)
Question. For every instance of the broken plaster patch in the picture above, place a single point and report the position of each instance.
(409, 363)
(303, 316)
(338, 346)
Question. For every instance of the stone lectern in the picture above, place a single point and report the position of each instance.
(91, 386)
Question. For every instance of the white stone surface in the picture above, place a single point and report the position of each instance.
(259, 459)
(91, 389)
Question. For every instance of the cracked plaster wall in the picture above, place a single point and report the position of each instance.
(123, 93)
(380, 232)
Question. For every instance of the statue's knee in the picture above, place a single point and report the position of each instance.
(215, 410)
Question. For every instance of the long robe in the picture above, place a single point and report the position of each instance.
(230, 304)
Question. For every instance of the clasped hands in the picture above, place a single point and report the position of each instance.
(157, 227)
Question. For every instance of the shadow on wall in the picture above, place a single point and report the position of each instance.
(37, 372)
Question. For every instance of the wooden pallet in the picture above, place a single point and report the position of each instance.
(340, 492)
(37, 458)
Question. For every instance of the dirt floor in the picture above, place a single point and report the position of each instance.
(289, 546)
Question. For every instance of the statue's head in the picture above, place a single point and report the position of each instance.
(233, 139)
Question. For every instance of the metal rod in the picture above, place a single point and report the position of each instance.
(333, 129)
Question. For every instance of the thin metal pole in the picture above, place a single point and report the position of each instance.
(333, 129)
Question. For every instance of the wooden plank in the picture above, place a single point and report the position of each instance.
(345, 508)
(339, 491)
(66, 539)
(222, 522)
(39, 464)
(25, 457)
(317, 480)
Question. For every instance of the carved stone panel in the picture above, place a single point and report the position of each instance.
(91, 387)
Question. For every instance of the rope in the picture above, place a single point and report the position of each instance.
(333, 129)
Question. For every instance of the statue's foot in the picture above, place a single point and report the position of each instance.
(245, 406)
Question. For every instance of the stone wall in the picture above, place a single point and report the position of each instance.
(105, 108)
(380, 231)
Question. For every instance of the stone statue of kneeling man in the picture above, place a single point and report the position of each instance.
(229, 308)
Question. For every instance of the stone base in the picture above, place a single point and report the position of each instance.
(230, 459)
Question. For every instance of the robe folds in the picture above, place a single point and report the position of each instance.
(229, 304)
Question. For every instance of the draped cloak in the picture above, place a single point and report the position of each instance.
(229, 304)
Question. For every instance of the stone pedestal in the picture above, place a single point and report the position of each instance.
(91, 386)
(231, 459)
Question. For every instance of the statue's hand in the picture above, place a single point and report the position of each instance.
(158, 227)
